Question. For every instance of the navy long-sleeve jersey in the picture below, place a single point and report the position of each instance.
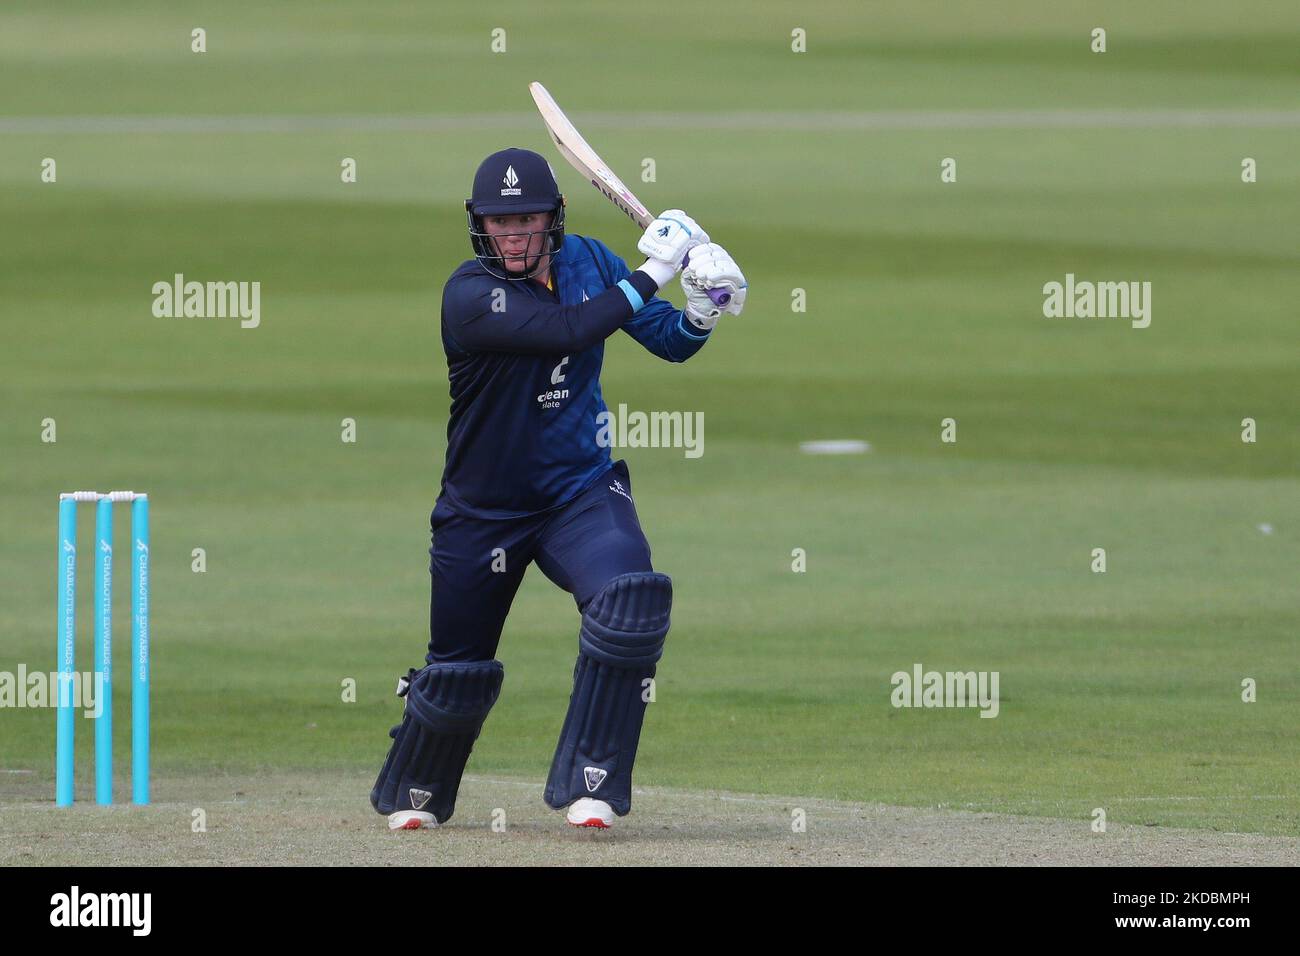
(524, 365)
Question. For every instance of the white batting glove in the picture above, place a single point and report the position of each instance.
(667, 240)
(711, 267)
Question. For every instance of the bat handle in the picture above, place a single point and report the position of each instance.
(720, 297)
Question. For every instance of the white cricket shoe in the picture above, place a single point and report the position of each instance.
(411, 820)
(586, 812)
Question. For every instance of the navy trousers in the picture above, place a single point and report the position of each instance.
(477, 565)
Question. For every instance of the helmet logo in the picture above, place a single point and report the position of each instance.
(511, 180)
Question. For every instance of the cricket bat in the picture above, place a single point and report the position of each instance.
(586, 161)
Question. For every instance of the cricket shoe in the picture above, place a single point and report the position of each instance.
(586, 812)
(411, 820)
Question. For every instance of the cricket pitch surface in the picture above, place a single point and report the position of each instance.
(320, 819)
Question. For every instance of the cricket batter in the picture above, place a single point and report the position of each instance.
(524, 325)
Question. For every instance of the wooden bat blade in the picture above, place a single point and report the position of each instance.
(584, 159)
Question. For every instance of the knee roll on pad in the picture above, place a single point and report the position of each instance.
(446, 705)
(621, 640)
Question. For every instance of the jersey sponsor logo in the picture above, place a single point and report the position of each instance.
(618, 489)
(551, 398)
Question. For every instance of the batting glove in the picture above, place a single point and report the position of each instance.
(711, 267)
(667, 240)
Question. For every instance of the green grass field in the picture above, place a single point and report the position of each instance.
(1119, 690)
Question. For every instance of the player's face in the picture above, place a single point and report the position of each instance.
(519, 239)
